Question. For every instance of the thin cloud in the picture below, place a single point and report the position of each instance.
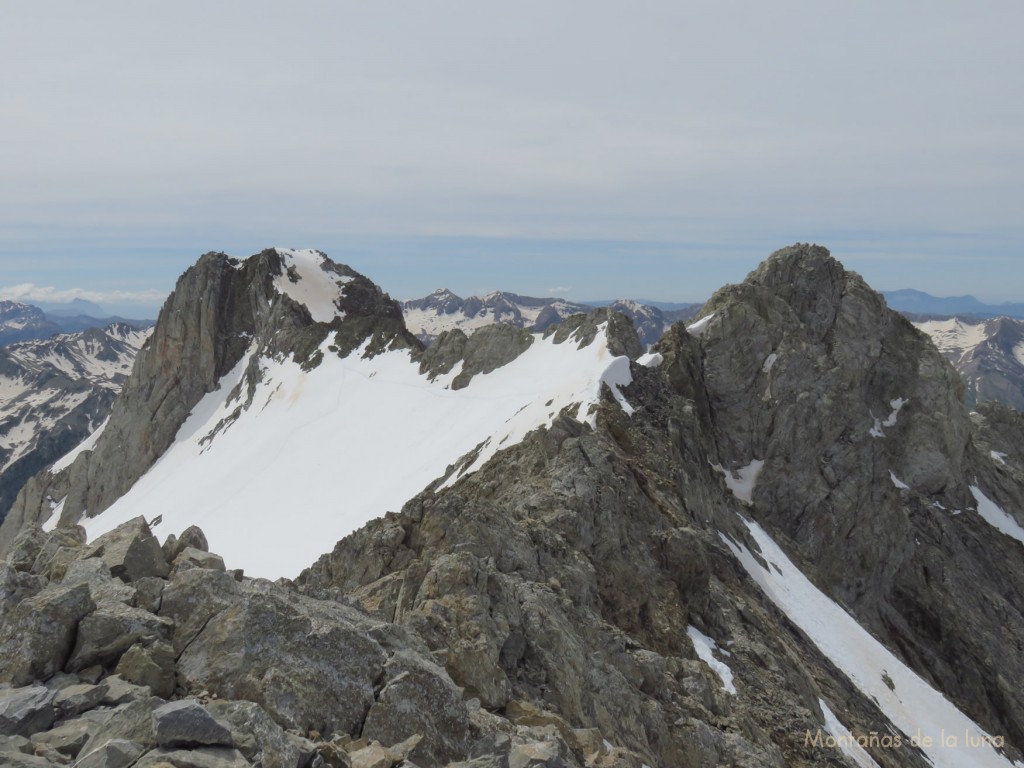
(32, 292)
(559, 290)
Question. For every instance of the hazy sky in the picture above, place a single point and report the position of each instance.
(594, 149)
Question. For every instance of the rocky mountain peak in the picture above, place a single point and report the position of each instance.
(801, 285)
(277, 304)
(442, 300)
(20, 322)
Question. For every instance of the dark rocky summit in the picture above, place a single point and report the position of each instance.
(547, 609)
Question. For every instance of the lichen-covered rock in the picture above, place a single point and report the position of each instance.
(186, 723)
(37, 636)
(193, 537)
(25, 548)
(131, 722)
(61, 547)
(130, 551)
(67, 739)
(17, 760)
(25, 711)
(75, 699)
(106, 633)
(115, 753)
(200, 559)
(420, 699)
(15, 586)
(151, 666)
(539, 754)
(206, 757)
(306, 665)
(119, 692)
(192, 598)
(258, 737)
(103, 587)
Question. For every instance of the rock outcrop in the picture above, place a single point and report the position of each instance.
(260, 675)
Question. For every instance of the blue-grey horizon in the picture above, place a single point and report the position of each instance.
(659, 150)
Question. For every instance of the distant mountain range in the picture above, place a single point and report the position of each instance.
(25, 322)
(443, 311)
(989, 355)
(56, 392)
(920, 303)
(73, 308)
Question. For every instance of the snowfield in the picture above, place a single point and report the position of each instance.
(955, 335)
(320, 453)
(314, 287)
(948, 737)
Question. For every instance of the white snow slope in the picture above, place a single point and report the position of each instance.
(955, 336)
(948, 737)
(320, 453)
(431, 322)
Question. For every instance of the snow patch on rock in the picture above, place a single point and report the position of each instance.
(995, 516)
(705, 648)
(316, 288)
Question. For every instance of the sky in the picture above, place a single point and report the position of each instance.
(656, 149)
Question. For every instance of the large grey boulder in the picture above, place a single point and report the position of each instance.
(207, 757)
(420, 699)
(257, 736)
(192, 536)
(132, 722)
(25, 711)
(62, 546)
(149, 665)
(16, 760)
(119, 691)
(15, 586)
(130, 551)
(200, 559)
(75, 699)
(103, 587)
(25, 548)
(115, 753)
(186, 723)
(304, 664)
(67, 739)
(192, 598)
(37, 636)
(106, 633)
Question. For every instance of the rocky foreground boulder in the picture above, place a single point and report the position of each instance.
(181, 663)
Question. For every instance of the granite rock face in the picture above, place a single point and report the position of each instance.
(808, 372)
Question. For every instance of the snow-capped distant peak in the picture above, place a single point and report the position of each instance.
(306, 279)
